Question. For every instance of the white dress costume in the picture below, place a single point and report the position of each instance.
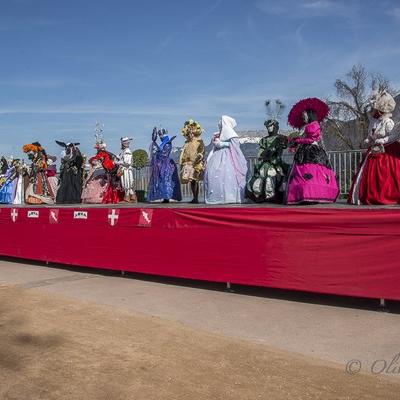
(226, 169)
(126, 170)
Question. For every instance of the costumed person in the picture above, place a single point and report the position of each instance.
(71, 170)
(3, 166)
(95, 184)
(192, 157)
(125, 171)
(226, 169)
(164, 179)
(311, 178)
(11, 184)
(378, 178)
(112, 194)
(267, 182)
(21, 169)
(39, 189)
(51, 174)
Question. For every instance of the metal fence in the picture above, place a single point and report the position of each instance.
(344, 163)
(142, 178)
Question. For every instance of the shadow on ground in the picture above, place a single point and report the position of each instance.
(16, 339)
(289, 295)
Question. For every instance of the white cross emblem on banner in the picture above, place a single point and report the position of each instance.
(14, 214)
(113, 217)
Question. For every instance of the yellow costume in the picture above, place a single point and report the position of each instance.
(192, 157)
(192, 160)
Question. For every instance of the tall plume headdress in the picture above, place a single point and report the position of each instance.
(274, 113)
(99, 133)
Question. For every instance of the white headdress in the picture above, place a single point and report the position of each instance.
(384, 102)
(227, 125)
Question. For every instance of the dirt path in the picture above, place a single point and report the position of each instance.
(56, 348)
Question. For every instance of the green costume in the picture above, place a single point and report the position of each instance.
(270, 171)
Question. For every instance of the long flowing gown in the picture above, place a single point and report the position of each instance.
(378, 179)
(9, 185)
(112, 193)
(70, 189)
(19, 189)
(311, 178)
(95, 185)
(164, 179)
(39, 190)
(225, 177)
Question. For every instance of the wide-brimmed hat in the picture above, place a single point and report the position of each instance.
(52, 158)
(319, 107)
(126, 139)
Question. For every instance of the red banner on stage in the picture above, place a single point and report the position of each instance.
(338, 251)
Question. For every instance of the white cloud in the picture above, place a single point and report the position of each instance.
(306, 8)
(36, 83)
(395, 13)
(318, 5)
(14, 24)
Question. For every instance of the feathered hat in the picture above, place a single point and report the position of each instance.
(274, 113)
(319, 107)
(191, 126)
(384, 102)
(34, 147)
(100, 143)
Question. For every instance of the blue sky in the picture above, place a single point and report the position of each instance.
(134, 64)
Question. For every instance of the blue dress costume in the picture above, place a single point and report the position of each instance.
(8, 184)
(164, 179)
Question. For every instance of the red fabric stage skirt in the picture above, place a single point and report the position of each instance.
(379, 177)
(346, 251)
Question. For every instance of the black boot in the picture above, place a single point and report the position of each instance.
(195, 190)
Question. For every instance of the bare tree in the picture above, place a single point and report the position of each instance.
(348, 120)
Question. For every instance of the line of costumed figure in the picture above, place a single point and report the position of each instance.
(309, 179)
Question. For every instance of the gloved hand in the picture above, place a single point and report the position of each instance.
(154, 135)
(380, 141)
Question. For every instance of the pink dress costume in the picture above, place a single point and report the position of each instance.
(311, 178)
(95, 185)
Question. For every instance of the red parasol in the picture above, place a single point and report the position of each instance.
(320, 108)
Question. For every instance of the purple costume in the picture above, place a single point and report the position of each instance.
(164, 179)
